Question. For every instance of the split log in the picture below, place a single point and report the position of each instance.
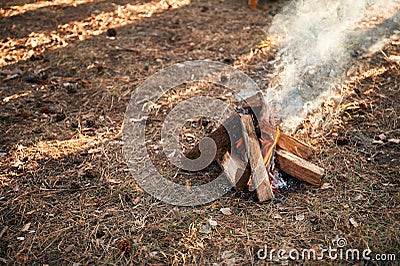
(292, 145)
(299, 168)
(236, 170)
(259, 178)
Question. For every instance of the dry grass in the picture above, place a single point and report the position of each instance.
(66, 194)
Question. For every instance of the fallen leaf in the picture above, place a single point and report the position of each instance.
(393, 58)
(205, 229)
(228, 258)
(21, 258)
(17, 164)
(153, 254)
(25, 227)
(397, 141)
(69, 248)
(382, 136)
(377, 142)
(91, 151)
(124, 245)
(326, 186)
(277, 216)
(300, 217)
(115, 181)
(25, 113)
(353, 222)
(226, 211)
(212, 222)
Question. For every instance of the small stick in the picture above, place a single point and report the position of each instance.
(3, 231)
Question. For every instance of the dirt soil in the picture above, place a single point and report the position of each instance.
(68, 69)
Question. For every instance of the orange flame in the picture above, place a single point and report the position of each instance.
(268, 146)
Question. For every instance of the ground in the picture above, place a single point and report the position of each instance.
(66, 194)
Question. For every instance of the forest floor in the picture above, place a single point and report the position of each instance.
(66, 194)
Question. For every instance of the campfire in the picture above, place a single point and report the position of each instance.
(261, 152)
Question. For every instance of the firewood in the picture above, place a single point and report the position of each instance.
(299, 168)
(236, 170)
(291, 154)
(221, 138)
(286, 142)
(292, 145)
(259, 178)
(298, 149)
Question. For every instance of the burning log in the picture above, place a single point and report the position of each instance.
(255, 165)
(285, 142)
(259, 176)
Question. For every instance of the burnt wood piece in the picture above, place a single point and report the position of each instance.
(237, 171)
(259, 174)
(299, 168)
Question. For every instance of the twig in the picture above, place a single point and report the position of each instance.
(3, 231)
(60, 190)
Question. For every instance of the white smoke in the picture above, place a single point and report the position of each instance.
(319, 39)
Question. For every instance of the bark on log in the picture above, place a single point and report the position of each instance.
(221, 138)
